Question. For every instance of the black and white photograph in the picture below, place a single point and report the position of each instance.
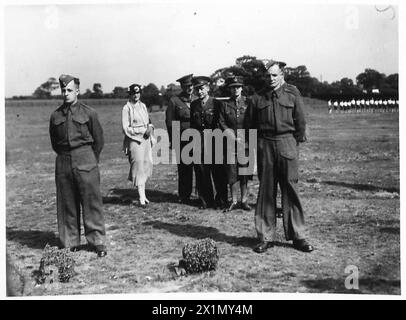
(201, 149)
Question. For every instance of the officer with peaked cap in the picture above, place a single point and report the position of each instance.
(77, 138)
(179, 110)
(278, 115)
(232, 121)
(204, 115)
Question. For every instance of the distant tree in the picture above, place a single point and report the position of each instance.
(300, 72)
(244, 60)
(172, 89)
(348, 89)
(44, 91)
(317, 88)
(370, 79)
(249, 68)
(390, 86)
(97, 91)
(300, 77)
(87, 94)
(392, 81)
(151, 95)
(346, 83)
(256, 78)
(120, 92)
(162, 90)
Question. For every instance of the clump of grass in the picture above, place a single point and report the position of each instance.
(55, 265)
(199, 256)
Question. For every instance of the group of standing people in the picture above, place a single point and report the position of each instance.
(276, 113)
(195, 108)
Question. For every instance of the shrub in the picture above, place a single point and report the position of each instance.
(199, 256)
(55, 265)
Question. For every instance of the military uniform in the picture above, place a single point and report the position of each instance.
(279, 118)
(204, 116)
(77, 138)
(179, 110)
(232, 116)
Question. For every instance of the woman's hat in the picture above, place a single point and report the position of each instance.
(134, 88)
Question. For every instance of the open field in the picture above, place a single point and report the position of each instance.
(349, 185)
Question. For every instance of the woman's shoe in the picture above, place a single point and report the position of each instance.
(143, 203)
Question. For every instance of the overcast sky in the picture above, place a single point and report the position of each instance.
(143, 42)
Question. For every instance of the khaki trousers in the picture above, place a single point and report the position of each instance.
(78, 189)
(278, 163)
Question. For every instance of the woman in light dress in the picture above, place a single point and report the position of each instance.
(138, 141)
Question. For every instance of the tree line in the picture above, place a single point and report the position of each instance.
(255, 77)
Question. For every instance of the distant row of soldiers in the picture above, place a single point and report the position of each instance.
(363, 105)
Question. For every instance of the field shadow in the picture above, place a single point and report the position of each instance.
(392, 230)
(365, 285)
(360, 187)
(282, 244)
(201, 232)
(34, 239)
(128, 196)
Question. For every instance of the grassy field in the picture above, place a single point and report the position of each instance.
(349, 186)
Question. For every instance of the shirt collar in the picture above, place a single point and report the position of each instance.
(134, 104)
(204, 101)
(72, 107)
(185, 97)
(278, 91)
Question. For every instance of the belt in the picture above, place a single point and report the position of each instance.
(66, 151)
(270, 135)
